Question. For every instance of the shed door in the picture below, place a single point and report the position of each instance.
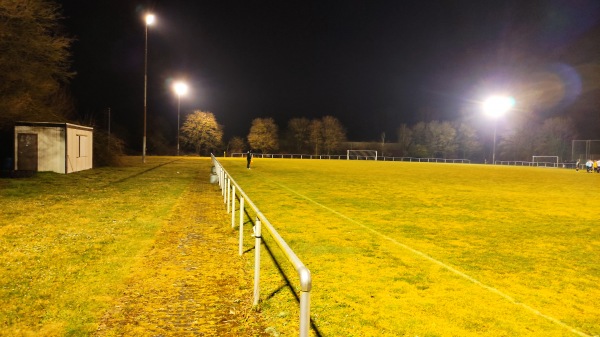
(27, 150)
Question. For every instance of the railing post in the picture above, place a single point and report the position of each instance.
(228, 195)
(304, 313)
(222, 180)
(241, 225)
(257, 238)
(232, 206)
(225, 189)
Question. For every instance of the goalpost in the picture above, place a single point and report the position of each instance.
(546, 160)
(361, 154)
(582, 150)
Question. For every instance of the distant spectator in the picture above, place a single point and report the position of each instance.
(248, 158)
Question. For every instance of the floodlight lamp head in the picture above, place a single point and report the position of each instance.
(496, 106)
(150, 18)
(180, 88)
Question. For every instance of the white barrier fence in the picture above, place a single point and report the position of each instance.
(537, 164)
(353, 157)
(229, 190)
(292, 156)
(426, 160)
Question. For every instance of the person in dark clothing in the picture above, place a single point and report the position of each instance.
(248, 158)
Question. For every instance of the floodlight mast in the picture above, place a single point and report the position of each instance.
(495, 107)
(180, 89)
(149, 19)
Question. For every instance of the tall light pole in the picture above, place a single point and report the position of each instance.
(495, 107)
(180, 88)
(149, 21)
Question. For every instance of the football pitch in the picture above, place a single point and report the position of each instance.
(423, 249)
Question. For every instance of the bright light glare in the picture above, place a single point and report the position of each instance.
(497, 106)
(180, 88)
(150, 18)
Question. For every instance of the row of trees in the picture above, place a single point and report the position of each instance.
(326, 135)
(435, 139)
(552, 136)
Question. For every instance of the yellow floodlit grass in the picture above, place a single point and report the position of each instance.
(99, 248)
(419, 249)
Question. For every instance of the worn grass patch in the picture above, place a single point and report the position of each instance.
(192, 281)
(415, 249)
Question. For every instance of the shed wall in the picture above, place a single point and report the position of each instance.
(79, 149)
(51, 147)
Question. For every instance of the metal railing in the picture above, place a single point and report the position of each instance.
(229, 190)
(569, 165)
(426, 160)
(291, 156)
(354, 157)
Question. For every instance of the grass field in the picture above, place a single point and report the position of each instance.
(67, 242)
(416, 249)
(78, 252)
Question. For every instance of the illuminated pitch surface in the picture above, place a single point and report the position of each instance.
(422, 249)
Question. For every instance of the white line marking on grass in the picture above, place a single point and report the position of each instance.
(443, 265)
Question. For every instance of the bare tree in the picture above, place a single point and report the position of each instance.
(420, 139)
(442, 139)
(466, 140)
(519, 144)
(236, 144)
(404, 139)
(299, 130)
(263, 135)
(556, 135)
(202, 132)
(333, 134)
(316, 135)
(432, 139)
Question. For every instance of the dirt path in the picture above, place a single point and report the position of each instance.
(192, 283)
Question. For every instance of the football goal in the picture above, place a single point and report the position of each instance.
(551, 161)
(361, 154)
(582, 150)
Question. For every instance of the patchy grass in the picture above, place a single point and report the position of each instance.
(192, 281)
(416, 249)
(71, 244)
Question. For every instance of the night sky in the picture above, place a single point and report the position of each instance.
(372, 64)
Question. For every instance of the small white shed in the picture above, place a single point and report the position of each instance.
(57, 147)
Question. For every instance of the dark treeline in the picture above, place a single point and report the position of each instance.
(434, 139)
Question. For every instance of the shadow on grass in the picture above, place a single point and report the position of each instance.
(287, 285)
(141, 172)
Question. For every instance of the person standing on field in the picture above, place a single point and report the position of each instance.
(248, 159)
(588, 166)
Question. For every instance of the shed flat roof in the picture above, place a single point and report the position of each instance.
(54, 125)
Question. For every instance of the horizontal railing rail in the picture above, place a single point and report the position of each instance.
(292, 156)
(353, 157)
(569, 165)
(230, 189)
(425, 160)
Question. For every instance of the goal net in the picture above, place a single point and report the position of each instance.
(551, 161)
(361, 154)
